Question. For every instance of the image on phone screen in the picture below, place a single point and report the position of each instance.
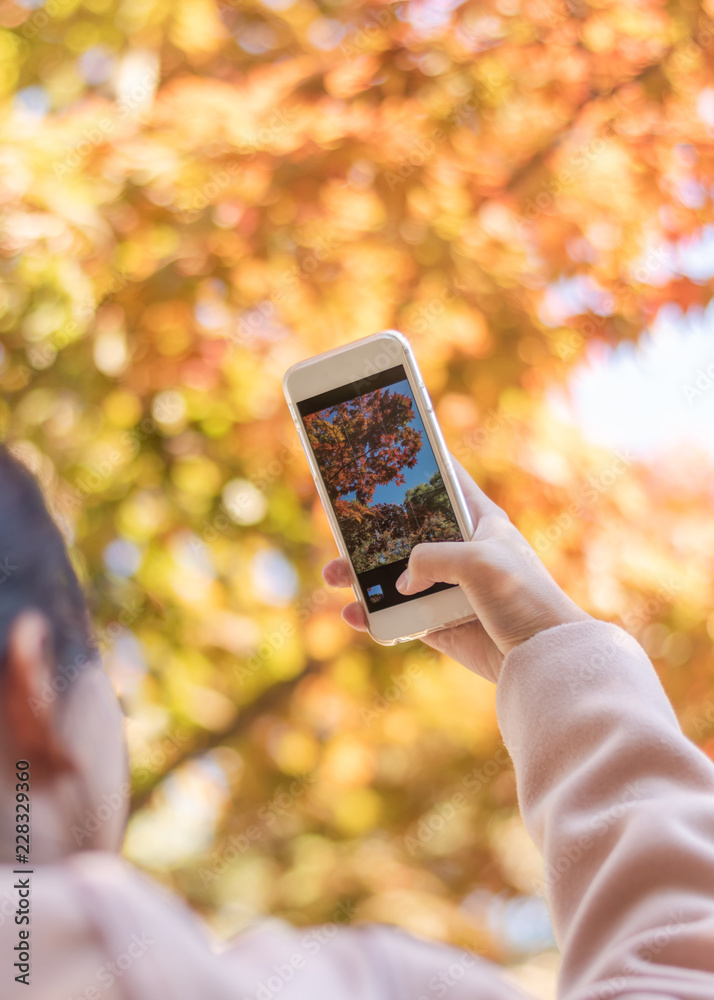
(382, 478)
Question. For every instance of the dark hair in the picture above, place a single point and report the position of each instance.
(35, 569)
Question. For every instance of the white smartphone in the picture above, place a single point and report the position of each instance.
(384, 476)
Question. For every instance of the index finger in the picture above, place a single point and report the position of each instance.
(336, 573)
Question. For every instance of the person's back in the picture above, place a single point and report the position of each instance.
(618, 801)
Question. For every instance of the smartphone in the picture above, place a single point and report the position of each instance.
(383, 475)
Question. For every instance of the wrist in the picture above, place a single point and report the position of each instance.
(544, 620)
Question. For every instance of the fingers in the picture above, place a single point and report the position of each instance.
(483, 657)
(423, 572)
(336, 574)
(435, 562)
(354, 615)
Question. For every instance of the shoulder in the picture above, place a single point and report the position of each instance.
(67, 954)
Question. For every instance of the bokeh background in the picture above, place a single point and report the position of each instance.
(194, 195)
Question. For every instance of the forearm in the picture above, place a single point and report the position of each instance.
(622, 806)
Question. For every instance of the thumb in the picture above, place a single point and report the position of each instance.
(436, 562)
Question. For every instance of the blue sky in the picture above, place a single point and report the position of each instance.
(652, 398)
(657, 396)
(426, 463)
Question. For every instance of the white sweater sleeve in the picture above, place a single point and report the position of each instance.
(621, 805)
(271, 961)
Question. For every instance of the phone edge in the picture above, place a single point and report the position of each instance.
(438, 444)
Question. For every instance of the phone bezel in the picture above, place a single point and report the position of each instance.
(340, 367)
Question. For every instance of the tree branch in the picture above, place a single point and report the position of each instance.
(539, 157)
(271, 699)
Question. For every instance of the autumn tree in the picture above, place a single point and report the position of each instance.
(386, 532)
(381, 537)
(431, 495)
(364, 443)
(195, 195)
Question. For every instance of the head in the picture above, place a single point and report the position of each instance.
(57, 708)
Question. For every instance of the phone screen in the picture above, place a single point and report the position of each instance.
(382, 478)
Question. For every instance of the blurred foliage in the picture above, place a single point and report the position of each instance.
(195, 195)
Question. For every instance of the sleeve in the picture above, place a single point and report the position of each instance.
(65, 957)
(159, 948)
(621, 805)
(377, 962)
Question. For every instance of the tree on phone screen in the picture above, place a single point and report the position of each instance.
(368, 442)
(364, 443)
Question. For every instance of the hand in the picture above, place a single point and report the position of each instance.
(507, 585)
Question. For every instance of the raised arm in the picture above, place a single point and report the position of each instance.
(619, 802)
(621, 805)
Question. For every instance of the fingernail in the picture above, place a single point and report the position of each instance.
(403, 581)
